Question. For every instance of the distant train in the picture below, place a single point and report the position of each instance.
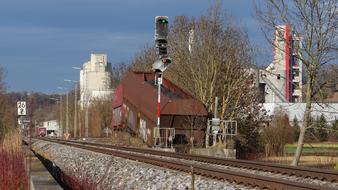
(41, 132)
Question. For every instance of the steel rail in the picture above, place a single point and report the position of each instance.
(313, 173)
(263, 182)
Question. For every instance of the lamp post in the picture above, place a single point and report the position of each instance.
(75, 110)
(60, 119)
(75, 105)
(61, 126)
(67, 120)
(67, 115)
(86, 115)
(78, 125)
(84, 101)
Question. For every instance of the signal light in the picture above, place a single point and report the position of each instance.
(162, 51)
(161, 27)
(161, 34)
(163, 20)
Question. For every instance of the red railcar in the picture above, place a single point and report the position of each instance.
(41, 131)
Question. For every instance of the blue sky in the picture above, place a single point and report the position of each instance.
(41, 40)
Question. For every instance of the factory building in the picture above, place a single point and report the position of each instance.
(95, 79)
(281, 81)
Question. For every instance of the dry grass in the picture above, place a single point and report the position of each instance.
(321, 155)
(12, 166)
(124, 138)
(314, 161)
(320, 145)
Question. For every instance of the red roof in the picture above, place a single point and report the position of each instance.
(139, 90)
(118, 100)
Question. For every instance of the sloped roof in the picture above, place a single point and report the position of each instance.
(139, 90)
(184, 107)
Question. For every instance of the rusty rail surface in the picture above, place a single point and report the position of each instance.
(263, 182)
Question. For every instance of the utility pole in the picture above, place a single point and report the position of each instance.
(75, 110)
(86, 115)
(75, 105)
(79, 114)
(66, 134)
(61, 126)
(67, 116)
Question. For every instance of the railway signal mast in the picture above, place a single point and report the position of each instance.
(162, 63)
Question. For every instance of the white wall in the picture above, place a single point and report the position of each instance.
(329, 110)
(52, 125)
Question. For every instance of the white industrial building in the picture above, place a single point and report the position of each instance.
(95, 79)
(282, 80)
(52, 128)
(297, 110)
(280, 84)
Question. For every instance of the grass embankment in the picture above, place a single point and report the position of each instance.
(323, 155)
(12, 166)
(315, 149)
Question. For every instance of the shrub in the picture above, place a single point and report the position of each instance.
(12, 166)
(277, 134)
(321, 129)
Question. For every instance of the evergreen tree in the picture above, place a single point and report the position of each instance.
(295, 125)
(335, 129)
(321, 129)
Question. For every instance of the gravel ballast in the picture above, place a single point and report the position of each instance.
(101, 171)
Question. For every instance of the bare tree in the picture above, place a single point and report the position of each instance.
(144, 60)
(277, 134)
(217, 63)
(118, 71)
(2, 80)
(101, 114)
(316, 22)
(7, 110)
(327, 79)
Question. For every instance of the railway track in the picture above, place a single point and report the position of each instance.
(263, 182)
(325, 175)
